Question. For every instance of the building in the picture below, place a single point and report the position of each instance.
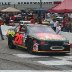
(29, 4)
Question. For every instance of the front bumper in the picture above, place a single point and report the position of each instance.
(52, 51)
(46, 48)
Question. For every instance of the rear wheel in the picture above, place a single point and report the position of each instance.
(10, 42)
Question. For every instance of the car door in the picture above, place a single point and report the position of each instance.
(19, 38)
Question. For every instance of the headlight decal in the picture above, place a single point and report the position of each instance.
(11, 32)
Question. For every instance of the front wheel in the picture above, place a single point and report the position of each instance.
(10, 43)
(30, 46)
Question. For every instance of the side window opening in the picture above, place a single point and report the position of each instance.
(21, 29)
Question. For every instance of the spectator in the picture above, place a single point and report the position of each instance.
(7, 20)
(26, 18)
(32, 21)
(52, 23)
(1, 34)
(58, 29)
(64, 23)
(70, 25)
(39, 20)
(55, 24)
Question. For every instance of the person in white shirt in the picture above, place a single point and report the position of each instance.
(58, 29)
(51, 23)
(55, 24)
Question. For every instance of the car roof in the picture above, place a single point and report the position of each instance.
(24, 21)
(36, 25)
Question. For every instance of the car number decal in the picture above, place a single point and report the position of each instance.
(18, 39)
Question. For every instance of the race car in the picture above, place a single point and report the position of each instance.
(37, 38)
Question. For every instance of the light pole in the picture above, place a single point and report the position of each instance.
(14, 5)
(40, 3)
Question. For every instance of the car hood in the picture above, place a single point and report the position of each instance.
(48, 36)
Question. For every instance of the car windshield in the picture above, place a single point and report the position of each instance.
(41, 29)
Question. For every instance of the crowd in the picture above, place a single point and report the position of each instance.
(65, 24)
(61, 25)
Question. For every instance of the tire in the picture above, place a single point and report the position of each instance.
(30, 46)
(10, 43)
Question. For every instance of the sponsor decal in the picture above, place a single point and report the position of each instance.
(35, 47)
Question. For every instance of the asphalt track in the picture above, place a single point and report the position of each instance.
(19, 59)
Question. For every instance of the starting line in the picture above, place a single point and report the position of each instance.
(57, 62)
(61, 60)
(27, 55)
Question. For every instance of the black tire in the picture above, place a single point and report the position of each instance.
(30, 46)
(10, 43)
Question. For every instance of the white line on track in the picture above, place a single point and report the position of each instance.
(63, 61)
(64, 57)
(28, 55)
(57, 62)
